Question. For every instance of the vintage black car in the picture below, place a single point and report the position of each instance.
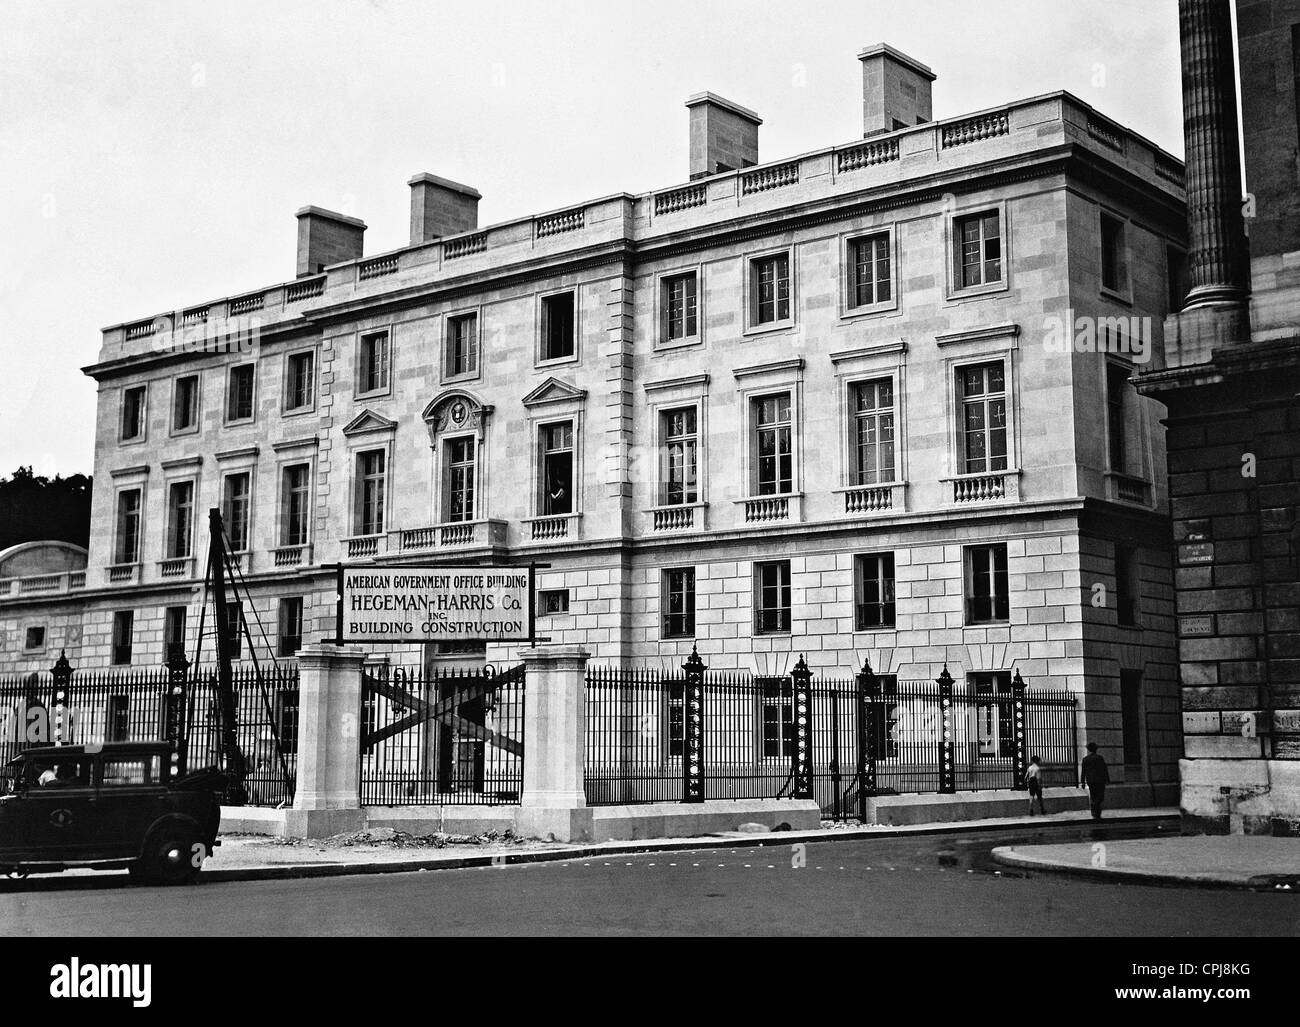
(107, 807)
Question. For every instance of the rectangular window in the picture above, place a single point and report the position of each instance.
(286, 719)
(1116, 387)
(770, 284)
(883, 719)
(553, 601)
(978, 250)
(676, 718)
(297, 504)
(986, 584)
(133, 406)
(119, 730)
(772, 597)
(1130, 693)
(681, 306)
(185, 403)
(123, 629)
(290, 626)
(1176, 276)
(875, 591)
(778, 717)
(128, 527)
(873, 443)
(679, 603)
(373, 363)
(773, 448)
(869, 270)
(235, 509)
(300, 381)
(1126, 582)
(681, 456)
(983, 418)
(460, 472)
(239, 393)
(994, 716)
(558, 326)
(180, 518)
(557, 468)
(234, 627)
(462, 345)
(1113, 271)
(371, 486)
(34, 639)
(174, 631)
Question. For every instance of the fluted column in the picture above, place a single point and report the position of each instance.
(1217, 260)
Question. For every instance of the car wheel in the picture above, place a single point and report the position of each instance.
(167, 855)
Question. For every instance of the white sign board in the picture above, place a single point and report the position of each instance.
(434, 604)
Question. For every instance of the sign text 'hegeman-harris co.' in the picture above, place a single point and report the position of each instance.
(435, 604)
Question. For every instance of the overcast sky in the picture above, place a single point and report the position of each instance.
(152, 155)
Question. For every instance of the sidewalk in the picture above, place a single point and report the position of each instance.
(249, 857)
(1237, 861)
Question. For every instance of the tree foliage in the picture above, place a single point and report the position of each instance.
(34, 507)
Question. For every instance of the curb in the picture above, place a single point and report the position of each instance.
(290, 871)
(1008, 856)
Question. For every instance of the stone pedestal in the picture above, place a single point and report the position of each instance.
(327, 799)
(554, 802)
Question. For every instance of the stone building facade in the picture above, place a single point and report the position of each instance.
(871, 402)
(1231, 384)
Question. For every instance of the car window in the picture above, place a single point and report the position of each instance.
(59, 772)
(124, 771)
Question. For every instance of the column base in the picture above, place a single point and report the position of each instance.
(322, 823)
(555, 823)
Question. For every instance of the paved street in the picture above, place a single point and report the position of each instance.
(897, 886)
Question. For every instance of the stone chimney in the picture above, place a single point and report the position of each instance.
(895, 90)
(724, 135)
(441, 207)
(326, 237)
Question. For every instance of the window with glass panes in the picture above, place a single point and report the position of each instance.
(460, 479)
(290, 625)
(180, 513)
(883, 719)
(873, 444)
(235, 504)
(773, 446)
(869, 270)
(1116, 388)
(777, 697)
(983, 418)
(174, 630)
(371, 486)
(1112, 253)
(127, 549)
(123, 630)
(234, 627)
(681, 450)
(679, 602)
(978, 249)
(239, 393)
(994, 732)
(986, 578)
(558, 340)
(286, 718)
(875, 591)
(680, 306)
(462, 345)
(297, 504)
(772, 597)
(185, 403)
(771, 287)
(301, 375)
(373, 362)
(557, 468)
(133, 405)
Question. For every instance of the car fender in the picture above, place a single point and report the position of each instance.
(170, 820)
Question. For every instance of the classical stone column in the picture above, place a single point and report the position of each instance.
(1217, 260)
(554, 801)
(327, 798)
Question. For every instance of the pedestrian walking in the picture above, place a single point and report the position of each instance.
(1094, 775)
(1034, 782)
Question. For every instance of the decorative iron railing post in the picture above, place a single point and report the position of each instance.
(868, 690)
(947, 767)
(693, 729)
(1019, 725)
(801, 681)
(178, 669)
(62, 672)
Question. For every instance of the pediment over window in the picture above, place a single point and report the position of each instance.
(554, 391)
(455, 410)
(368, 422)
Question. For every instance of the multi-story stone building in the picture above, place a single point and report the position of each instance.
(871, 402)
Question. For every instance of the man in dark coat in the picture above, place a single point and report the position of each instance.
(1094, 776)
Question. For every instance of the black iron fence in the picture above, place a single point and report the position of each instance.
(450, 738)
(796, 735)
(80, 707)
